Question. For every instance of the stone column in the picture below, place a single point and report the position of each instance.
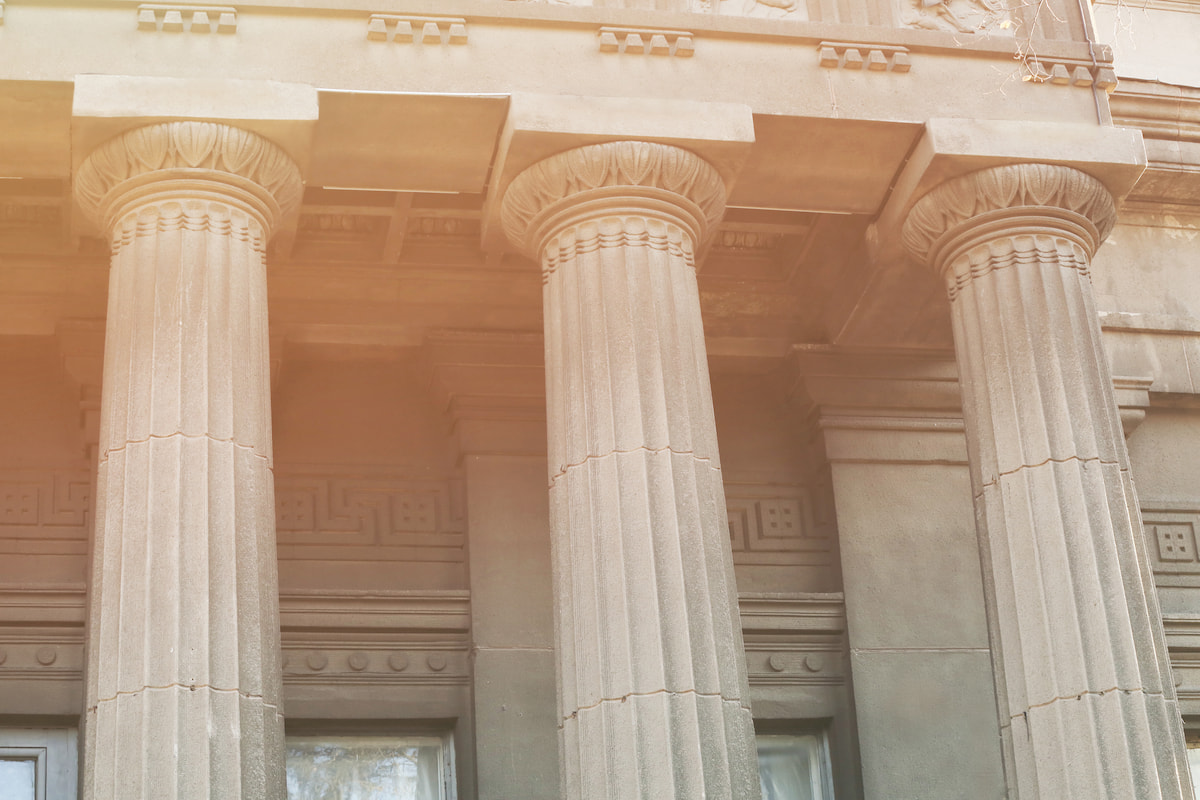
(652, 674)
(183, 678)
(1085, 692)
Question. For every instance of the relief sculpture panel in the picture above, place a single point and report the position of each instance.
(951, 16)
(955, 16)
(768, 9)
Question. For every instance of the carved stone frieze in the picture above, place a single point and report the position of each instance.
(123, 169)
(399, 519)
(442, 228)
(736, 240)
(1044, 191)
(775, 525)
(19, 216)
(766, 9)
(617, 175)
(955, 16)
(44, 509)
(341, 224)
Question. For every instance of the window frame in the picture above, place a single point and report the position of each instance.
(818, 728)
(53, 748)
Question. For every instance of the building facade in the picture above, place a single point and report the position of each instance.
(620, 399)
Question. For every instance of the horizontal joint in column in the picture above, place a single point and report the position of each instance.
(653, 450)
(671, 692)
(1089, 693)
(191, 687)
(181, 435)
(1048, 461)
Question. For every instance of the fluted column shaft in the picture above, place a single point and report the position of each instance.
(1085, 693)
(653, 695)
(183, 673)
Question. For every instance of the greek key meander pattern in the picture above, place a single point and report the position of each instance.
(768, 524)
(394, 517)
(414, 520)
(45, 504)
(774, 525)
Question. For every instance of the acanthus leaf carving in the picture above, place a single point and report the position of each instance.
(1036, 188)
(638, 165)
(201, 147)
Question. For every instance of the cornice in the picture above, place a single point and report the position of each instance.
(612, 178)
(1159, 110)
(188, 151)
(1012, 191)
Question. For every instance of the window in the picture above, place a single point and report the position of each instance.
(1193, 754)
(38, 763)
(18, 775)
(794, 766)
(370, 768)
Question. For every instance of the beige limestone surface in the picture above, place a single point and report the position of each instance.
(409, 415)
(184, 622)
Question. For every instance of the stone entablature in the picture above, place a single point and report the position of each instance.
(963, 43)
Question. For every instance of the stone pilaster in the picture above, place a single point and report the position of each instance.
(183, 678)
(1084, 685)
(652, 674)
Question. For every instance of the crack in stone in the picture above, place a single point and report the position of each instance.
(574, 714)
(1081, 695)
(181, 434)
(189, 686)
(1067, 460)
(668, 449)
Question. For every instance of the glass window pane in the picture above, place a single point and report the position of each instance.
(792, 767)
(365, 768)
(1194, 763)
(18, 778)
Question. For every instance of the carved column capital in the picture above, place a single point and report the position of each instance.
(1008, 200)
(617, 179)
(192, 161)
(1073, 615)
